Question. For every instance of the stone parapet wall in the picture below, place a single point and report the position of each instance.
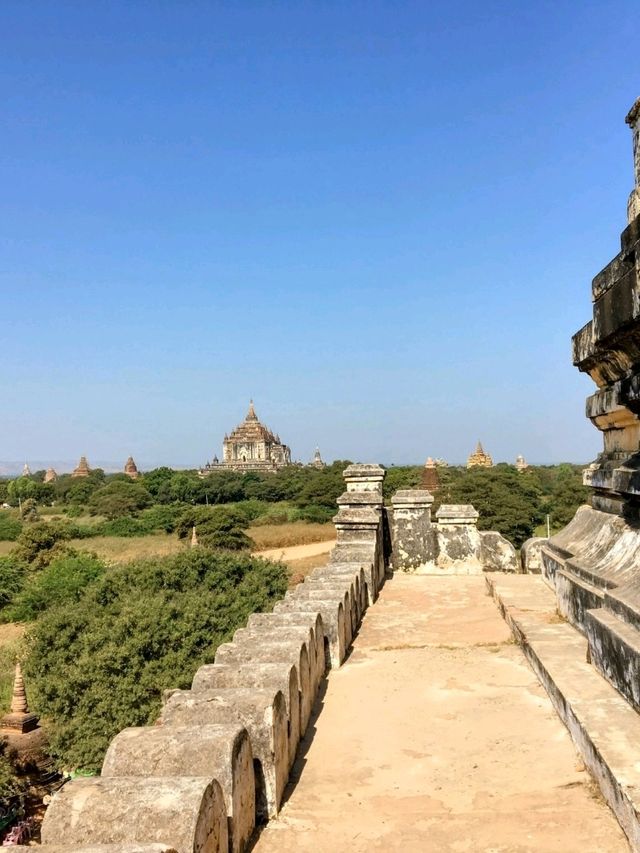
(218, 759)
(453, 545)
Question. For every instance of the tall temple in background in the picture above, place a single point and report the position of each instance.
(131, 469)
(251, 446)
(479, 459)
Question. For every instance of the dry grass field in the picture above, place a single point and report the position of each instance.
(294, 533)
(5, 547)
(119, 549)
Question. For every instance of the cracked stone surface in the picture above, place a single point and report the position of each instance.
(435, 735)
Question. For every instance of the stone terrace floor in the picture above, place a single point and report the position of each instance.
(436, 735)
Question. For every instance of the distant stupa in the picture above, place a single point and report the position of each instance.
(50, 476)
(317, 459)
(19, 720)
(131, 469)
(82, 469)
(521, 463)
(479, 459)
(430, 479)
(26, 471)
(194, 537)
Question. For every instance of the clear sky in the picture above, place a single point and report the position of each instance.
(378, 219)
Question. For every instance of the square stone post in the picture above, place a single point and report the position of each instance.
(412, 542)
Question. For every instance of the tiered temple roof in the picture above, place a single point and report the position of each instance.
(521, 463)
(479, 459)
(82, 469)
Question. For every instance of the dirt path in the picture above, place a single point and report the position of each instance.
(436, 736)
(297, 552)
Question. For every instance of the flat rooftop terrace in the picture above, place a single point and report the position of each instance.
(436, 735)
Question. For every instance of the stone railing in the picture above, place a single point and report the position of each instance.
(218, 759)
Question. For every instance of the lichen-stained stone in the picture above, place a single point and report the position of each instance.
(95, 848)
(188, 814)
(363, 556)
(344, 584)
(286, 633)
(280, 676)
(295, 620)
(364, 477)
(334, 620)
(264, 715)
(497, 554)
(339, 594)
(221, 752)
(531, 555)
(260, 650)
(354, 570)
(412, 535)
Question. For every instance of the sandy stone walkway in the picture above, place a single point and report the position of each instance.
(435, 735)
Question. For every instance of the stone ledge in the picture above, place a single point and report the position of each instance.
(603, 727)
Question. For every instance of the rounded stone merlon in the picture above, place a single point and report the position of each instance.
(293, 652)
(95, 848)
(221, 752)
(263, 712)
(281, 676)
(184, 813)
(334, 618)
(273, 634)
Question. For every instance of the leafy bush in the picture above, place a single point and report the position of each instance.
(62, 581)
(12, 579)
(10, 527)
(29, 510)
(101, 664)
(39, 543)
(126, 527)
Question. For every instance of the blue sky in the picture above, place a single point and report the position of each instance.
(378, 219)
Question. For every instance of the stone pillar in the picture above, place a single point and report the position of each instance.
(364, 478)
(412, 543)
(633, 120)
(459, 542)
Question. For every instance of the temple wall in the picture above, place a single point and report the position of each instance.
(218, 759)
(593, 564)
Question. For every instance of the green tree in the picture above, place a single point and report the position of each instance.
(39, 543)
(100, 664)
(29, 510)
(13, 574)
(10, 526)
(119, 498)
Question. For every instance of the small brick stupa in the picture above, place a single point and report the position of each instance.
(430, 479)
(19, 720)
(50, 476)
(131, 469)
(83, 469)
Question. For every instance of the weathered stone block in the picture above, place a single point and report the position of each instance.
(412, 538)
(262, 712)
(296, 655)
(221, 752)
(531, 555)
(188, 814)
(363, 477)
(497, 554)
(334, 620)
(277, 676)
(95, 848)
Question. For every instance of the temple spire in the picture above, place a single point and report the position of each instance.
(633, 120)
(251, 414)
